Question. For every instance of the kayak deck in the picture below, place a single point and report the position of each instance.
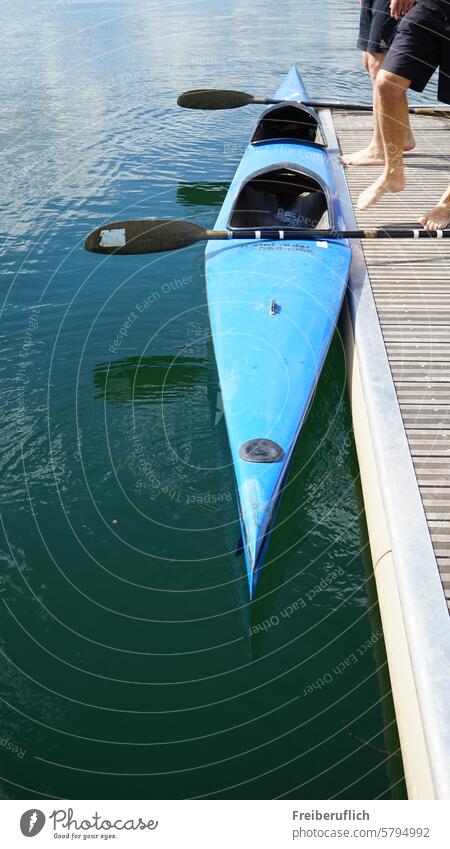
(273, 309)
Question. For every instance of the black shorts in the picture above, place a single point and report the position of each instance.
(421, 45)
(376, 27)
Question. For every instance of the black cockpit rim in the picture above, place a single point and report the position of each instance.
(285, 196)
(288, 122)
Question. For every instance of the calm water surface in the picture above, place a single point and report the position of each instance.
(132, 664)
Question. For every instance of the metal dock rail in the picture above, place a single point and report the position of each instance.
(397, 329)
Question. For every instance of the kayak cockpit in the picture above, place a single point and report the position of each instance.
(287, 123)
(281, 197)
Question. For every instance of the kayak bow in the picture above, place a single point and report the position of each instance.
(274, 304)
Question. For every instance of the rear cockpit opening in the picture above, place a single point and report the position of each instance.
(281, 198)
(287, 123)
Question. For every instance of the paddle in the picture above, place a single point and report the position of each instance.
(164, 234)
(204, 98)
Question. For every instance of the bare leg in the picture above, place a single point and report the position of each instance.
(373, 154)
(393, 115)
(438, 218)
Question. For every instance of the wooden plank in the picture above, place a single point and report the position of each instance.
(381, 250)
(397, 332)
(421, 421)
(420, 123)
(422, 393)
(410, 317)
(432, 463)
(436, 288)
(413, 299)
(425, 302)
(407, 264)
(424, 417)
(434, 514)
(439, 477)
(440, 530)
(399, 352)
(444, 563)
(431, 497)
(441, 544)
(421, 317)
(420, 370)
(426, 443)
(401, 275)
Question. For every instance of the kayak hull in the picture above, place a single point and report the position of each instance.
(273, 309)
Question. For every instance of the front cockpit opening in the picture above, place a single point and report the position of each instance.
(281, 198)
(290, 123)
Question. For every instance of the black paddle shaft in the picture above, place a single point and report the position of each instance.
(156, 235)
(318, 235)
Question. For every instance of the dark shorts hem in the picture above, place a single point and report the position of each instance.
(376, 27)
(419, 48)
(371, 46)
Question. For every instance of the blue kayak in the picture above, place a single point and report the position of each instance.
(274, 304)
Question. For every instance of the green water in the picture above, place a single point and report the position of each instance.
(132, 663)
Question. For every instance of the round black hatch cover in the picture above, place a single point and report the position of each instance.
(261, 451)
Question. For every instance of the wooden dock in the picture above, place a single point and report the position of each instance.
(411, 287)
(396, 324)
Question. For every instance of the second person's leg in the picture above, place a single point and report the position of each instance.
(393, 114)
(377, 31)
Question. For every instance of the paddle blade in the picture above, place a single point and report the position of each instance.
(149, 236)
(204, 98)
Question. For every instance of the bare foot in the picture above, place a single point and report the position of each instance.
(368, 156)
(380, 187)
(373, 155)
(437, 218)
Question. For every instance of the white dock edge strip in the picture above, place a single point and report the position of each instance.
(422, 611)
(416, 762)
